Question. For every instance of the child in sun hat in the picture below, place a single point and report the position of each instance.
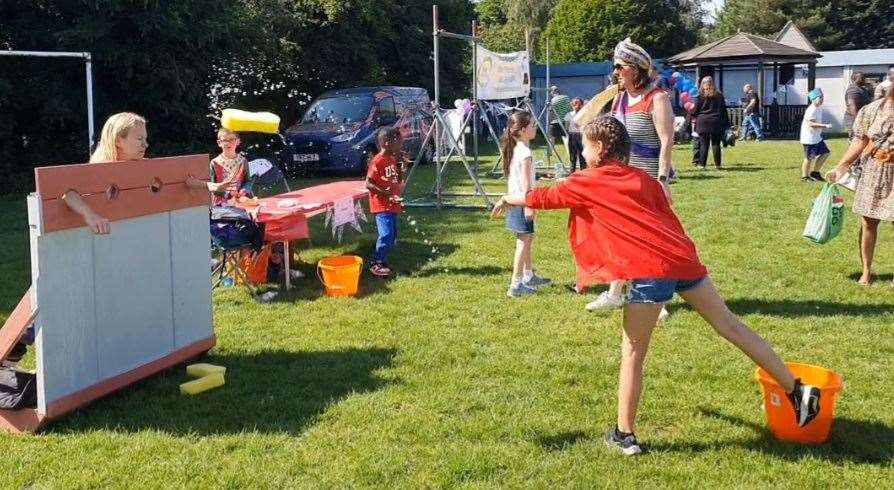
(815, 149)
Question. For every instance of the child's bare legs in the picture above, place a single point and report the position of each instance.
(805, 168)
(868, 238)
(819, 161)
(615, 288)
(522, 257)
(529, 260)
(705, 299)
(639, 321)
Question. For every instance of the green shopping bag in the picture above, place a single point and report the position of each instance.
(827, 215)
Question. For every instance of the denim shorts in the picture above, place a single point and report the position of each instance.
(815, 150)
(516, 221)
(659, 290)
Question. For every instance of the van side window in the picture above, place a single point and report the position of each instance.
(387, 111)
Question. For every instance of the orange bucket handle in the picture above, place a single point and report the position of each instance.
(323, 281)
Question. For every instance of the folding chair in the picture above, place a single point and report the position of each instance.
(233, 234)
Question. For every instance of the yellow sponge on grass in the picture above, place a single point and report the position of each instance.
(204, 369)
(204, 383)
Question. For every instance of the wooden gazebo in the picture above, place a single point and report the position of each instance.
(742, 51)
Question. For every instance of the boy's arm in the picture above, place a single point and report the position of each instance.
(211, 186)
(374, 187)
(374, 184)
(97, 223)
(813, 123)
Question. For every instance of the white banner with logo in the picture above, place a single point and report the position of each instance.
(502, 75)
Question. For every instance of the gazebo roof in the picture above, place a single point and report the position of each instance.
(742, 47)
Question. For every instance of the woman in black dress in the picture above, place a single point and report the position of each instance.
(711, 120)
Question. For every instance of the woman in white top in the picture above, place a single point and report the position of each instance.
(518, 168)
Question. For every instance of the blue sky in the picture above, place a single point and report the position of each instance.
(711, 6)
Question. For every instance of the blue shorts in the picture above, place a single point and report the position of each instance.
(516, 221)
(659, 290)
(815, 150)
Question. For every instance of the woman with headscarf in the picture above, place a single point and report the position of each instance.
(645, 110)
(873, 137)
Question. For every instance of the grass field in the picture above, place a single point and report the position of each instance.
(436, 379)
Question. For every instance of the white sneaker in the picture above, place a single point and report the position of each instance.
(296, 274)
(605, 301)
(268, 296)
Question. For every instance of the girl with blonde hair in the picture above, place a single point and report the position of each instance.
(123, 138)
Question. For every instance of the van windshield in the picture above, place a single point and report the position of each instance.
(339, 110)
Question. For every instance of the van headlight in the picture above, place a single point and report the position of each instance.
(348, 136)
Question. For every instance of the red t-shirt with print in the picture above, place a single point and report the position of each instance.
(383, 172)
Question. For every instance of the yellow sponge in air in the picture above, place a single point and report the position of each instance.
(202, 369)
(204, 383)
(258, 122)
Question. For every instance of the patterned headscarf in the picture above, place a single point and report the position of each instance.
(632, 54)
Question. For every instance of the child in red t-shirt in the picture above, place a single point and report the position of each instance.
(383, 179)
(621, 226)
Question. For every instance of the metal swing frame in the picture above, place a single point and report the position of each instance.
(440, 130)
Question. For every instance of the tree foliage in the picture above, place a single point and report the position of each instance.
(845, 24)
(504, 23)
(588, 30)
(179, 63)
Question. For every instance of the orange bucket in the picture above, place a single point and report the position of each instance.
(340, 275)
(781, 415)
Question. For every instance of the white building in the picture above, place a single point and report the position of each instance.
(833, 75)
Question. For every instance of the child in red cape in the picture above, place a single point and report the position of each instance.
(621, 226)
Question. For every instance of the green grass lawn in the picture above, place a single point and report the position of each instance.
(436, 379)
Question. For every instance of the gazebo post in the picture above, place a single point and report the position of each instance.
(760, 79)
(775, 80)
(811, 76)
(760, 91)
(720, 77)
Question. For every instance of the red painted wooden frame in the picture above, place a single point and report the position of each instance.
(29, 420)
(132, 183)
